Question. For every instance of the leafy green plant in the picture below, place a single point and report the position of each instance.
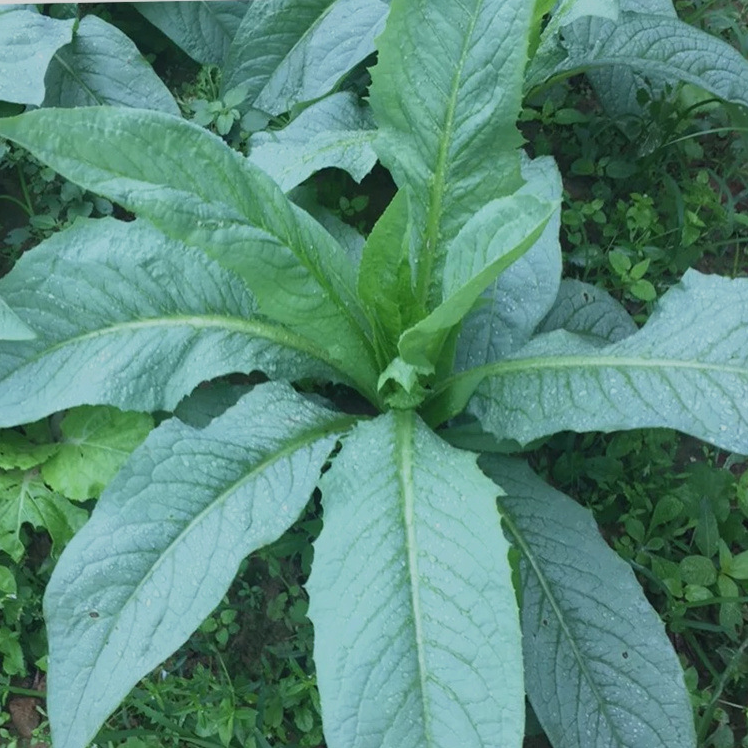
(48, 472)
(454, 330)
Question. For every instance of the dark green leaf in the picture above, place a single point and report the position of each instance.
(384, 280)
(25, 499)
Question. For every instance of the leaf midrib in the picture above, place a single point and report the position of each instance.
(404, 460)
(253, 328)
(437, 194)
(550, 363)
(499, 368)
(73, 73)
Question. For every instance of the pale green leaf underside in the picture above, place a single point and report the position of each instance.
(204, 30)
(96, 441)
(686, 369)
(28, 41)
(127, 317)
(165, 541)
(11, 327)
(599, 668)
(268, 33)
(214, 199)
(664, 48)
(550, 50)
(340, 38)
(446, 93)
(616, 86)
(103, 66)
(588, 310)
(336, 131)
(508, 312)
(416, 637)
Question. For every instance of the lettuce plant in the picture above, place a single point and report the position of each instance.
(446, 584)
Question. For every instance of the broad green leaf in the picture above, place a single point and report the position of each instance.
(165, 541)
(103, 66)
(288, 52)
(268, 33)
(341, 38)
(384, 280)
(507, 313)
(216, 200)
(11, 328)
(616, 86)
(17, 450)
(416, 635)
(682, 370)
(599, 667)
(652, 46)
(96, 441)
(28, 42)
(566, 12)
(495, 237)
(446, 93)
(204, 30)
(127, 317)
(590, 311)
(336, 131)
(25, 499)
(8, 585)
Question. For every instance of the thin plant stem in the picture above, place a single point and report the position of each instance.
(701, 654)
(719, 686)
(17, 202)
(24, 188)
